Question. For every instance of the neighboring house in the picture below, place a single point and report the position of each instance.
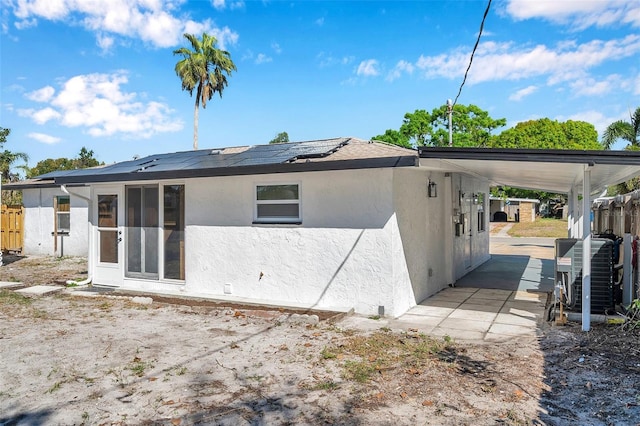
(331, 224)
(55, 222)
(514, 209)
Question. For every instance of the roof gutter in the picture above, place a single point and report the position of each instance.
(311, 166)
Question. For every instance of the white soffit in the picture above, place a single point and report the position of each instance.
(544, 170)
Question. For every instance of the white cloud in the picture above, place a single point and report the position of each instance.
(505, 61)
(218, 4)
(49, 9)
(44, 138)
(276, 48)
(104, 42)
(225, 36)
(522, 93)
(222, 4)
(97, 103)
(262, 58)
(44, 115)
(368, 68)
(41, 95)
(26, 23)
(326, 59)
(157, 22)
(590, 87)
(237, 5)
(319, 22)
(579, 14)
(401, 67)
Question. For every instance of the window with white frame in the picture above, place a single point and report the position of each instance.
(279, 203)
(63, 213)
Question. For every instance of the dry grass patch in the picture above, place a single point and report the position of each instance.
(362, 357)
(542, 227)
(10, 298)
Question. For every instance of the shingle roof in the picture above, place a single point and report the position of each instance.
(326, 154)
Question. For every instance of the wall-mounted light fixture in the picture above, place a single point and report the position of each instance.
(476, 199)
(432, 189)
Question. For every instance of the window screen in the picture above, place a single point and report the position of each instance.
(277, 203)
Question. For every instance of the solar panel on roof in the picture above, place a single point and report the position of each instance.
(212, 159)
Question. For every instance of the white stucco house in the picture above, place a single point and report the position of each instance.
(55, 221)
(330, 224)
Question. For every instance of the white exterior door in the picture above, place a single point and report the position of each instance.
(108, 220)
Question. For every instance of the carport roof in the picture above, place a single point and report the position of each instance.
(538, 169)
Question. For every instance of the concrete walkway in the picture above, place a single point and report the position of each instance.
(503, 299)
(477, 314)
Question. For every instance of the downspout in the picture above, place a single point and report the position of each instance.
(66, 191)
(55, 225)
(87, 281)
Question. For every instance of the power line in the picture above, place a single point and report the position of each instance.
(486, 12)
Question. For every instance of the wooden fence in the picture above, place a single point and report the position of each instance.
(12, 228)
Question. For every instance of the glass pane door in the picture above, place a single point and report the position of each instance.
(174, 232)
(108, 228)
(141, 217)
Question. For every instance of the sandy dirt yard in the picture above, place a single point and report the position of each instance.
(108, 359)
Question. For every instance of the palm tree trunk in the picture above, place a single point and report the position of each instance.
(195, 126)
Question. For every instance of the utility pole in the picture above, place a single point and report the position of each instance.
(450, 114)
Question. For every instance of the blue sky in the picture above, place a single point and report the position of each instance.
(100, 73)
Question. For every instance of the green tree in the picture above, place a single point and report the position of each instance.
(7, 162)
(394, 137)
(84, 160)
(9, 158)
(417, 127)
(4, 134)
(205, 69)
(282, 137)
(549, 134)
(627, 131)
(471, 126)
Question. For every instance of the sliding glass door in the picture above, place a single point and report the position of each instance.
(141, 219)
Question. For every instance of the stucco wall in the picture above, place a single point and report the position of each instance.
(368, 239)
(421, 245)
(339, 256)
(39, 220)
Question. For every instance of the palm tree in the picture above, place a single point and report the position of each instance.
(203, 69)
(628, 131)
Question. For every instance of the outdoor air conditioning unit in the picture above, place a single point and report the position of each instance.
(568, 271)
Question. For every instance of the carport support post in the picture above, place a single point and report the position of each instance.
(586, 249)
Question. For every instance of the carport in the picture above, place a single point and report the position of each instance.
(575, 173)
